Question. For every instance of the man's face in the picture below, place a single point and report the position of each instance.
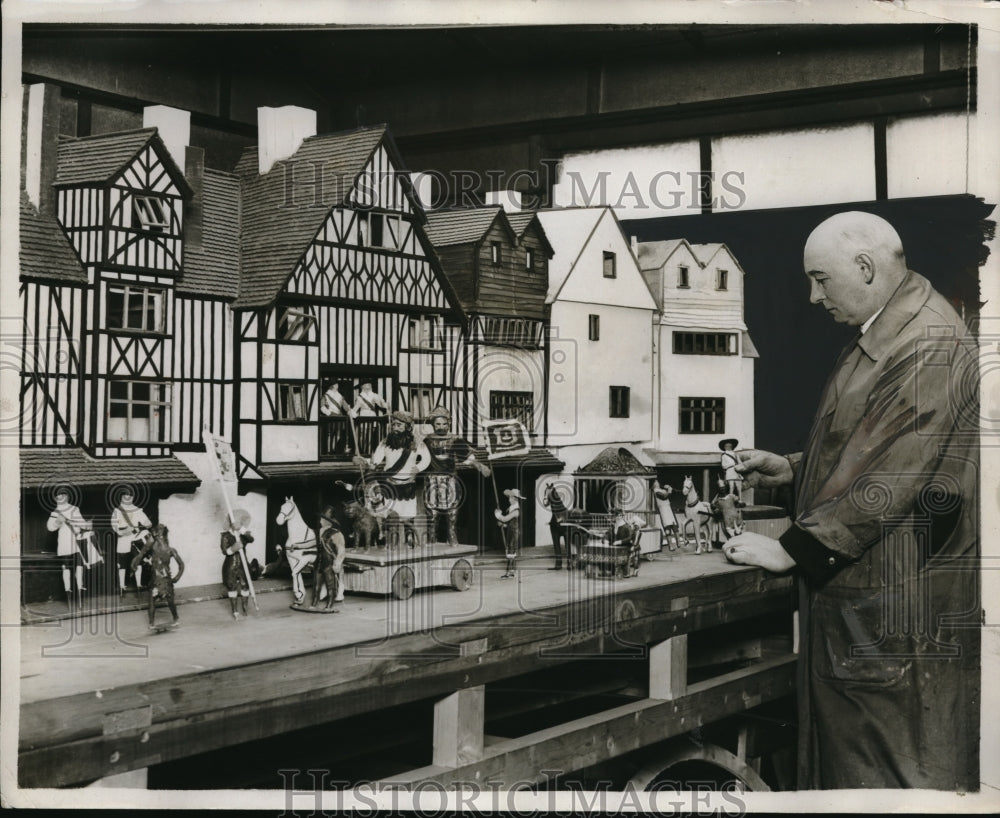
(126, 499)
(836, 282)
(366, 387)
(398, 426)
(62, 498)
(441, 426)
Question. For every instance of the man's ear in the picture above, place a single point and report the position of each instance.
(867, 266)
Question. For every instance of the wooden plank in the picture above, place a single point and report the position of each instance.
(459, 727)
(406, 556)
(61, 738)
(593, 739)
(668, 668)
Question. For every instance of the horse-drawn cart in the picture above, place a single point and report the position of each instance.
(605, 551)
(400, 571)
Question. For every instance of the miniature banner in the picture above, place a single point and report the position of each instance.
(506, 438)
(224, 455)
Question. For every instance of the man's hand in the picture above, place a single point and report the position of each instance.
(764, 470)
(756, 549)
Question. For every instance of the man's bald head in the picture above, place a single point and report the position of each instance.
(854, 262)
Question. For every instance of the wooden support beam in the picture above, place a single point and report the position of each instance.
(668, 668)
(458, 727)
(593, 739)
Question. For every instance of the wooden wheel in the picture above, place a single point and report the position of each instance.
(461, 575)
(403, 582)
(738, 768)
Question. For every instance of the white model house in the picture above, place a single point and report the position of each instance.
(704, 378)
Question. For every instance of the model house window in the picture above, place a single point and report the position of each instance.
(516, 332)
(594, 327)
(722, 279)
(424, 332)
(135, 308)
(529, 259)
(378, 230)
(138, 411)
(703, 416)
(150, 213)
(421, 402)
(291, 401)
(704, 343)
(609, 265)
(682, 277)
(513, 406)
(496, 255)
(294, 324)
(619, 401)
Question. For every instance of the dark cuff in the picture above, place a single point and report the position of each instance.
(812, 558)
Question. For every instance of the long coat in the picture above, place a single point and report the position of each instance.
(888, 483)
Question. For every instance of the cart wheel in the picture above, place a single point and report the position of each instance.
(403, 583)
(461, 575)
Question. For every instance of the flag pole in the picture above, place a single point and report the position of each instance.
(207, 439)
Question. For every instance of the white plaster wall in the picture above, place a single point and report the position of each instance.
(279, 444)
(702, 376)
(579, 384)
(916, 163)
(506, 369)
(196, 521)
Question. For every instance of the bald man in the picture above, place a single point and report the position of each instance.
(885, 534)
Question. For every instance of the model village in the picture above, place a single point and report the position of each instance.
(293, 384)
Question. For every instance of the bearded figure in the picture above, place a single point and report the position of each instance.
(441, 494)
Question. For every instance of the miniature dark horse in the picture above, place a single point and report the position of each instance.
(161, 586)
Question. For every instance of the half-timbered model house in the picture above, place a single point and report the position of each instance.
(110, 387)
(705, 373)
(601, 373)
(338, 286)
(499, 271)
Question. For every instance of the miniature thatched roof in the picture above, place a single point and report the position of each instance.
(614, 461)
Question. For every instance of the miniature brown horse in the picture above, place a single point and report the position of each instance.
(161, 585)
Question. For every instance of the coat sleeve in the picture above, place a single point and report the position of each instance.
(916, 412)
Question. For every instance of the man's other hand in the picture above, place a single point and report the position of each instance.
(764, 470)
(756, 549)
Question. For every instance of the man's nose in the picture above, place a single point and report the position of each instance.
(815, 292)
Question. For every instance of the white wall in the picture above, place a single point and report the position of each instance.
(506, 369)
(197, 520)
(579, 386)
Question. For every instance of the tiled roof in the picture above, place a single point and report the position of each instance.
(49, 467)
(45, 251)
(615, 461)
(308, 471)
(520, 221)
(277, 228)
(460, 226)
(214, 267)
(92, 159)
(652, 254)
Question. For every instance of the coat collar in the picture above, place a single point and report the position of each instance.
(911, 294)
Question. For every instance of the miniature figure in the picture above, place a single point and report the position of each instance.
(161, 585)
(697, 513)
(511, 525)
(74, 535)
(300, 546)
(329, 568)
(729, 462)
(553, 501)
(132, 526)
(668, 520)
(233, 574)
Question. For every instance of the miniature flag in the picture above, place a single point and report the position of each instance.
(224, 455)
(505, 438)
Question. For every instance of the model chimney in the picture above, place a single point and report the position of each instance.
(280, 131)
(174, 127)
(194, 216)
(41, 145)
(509, 200)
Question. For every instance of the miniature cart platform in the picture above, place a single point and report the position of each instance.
(592, 551)
(400, 571)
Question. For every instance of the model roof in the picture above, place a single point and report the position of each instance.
(461, 226)
(100, 158)
(45, 251)
(213, 268)
(39, 466)
(653, 254)
(568, 231)
(281, 215)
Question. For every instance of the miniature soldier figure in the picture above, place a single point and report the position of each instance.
(334, 406)
(553, 501)
(441, 488)
(511, 524)
(668, 520)
(159, 553)
(729, 461)
(73, 532)
(233, 573)
(132, 526)
(328, 571)
(399, 458)
(369, 404)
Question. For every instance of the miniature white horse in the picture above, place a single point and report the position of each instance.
(697, 513)
(300, 547)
